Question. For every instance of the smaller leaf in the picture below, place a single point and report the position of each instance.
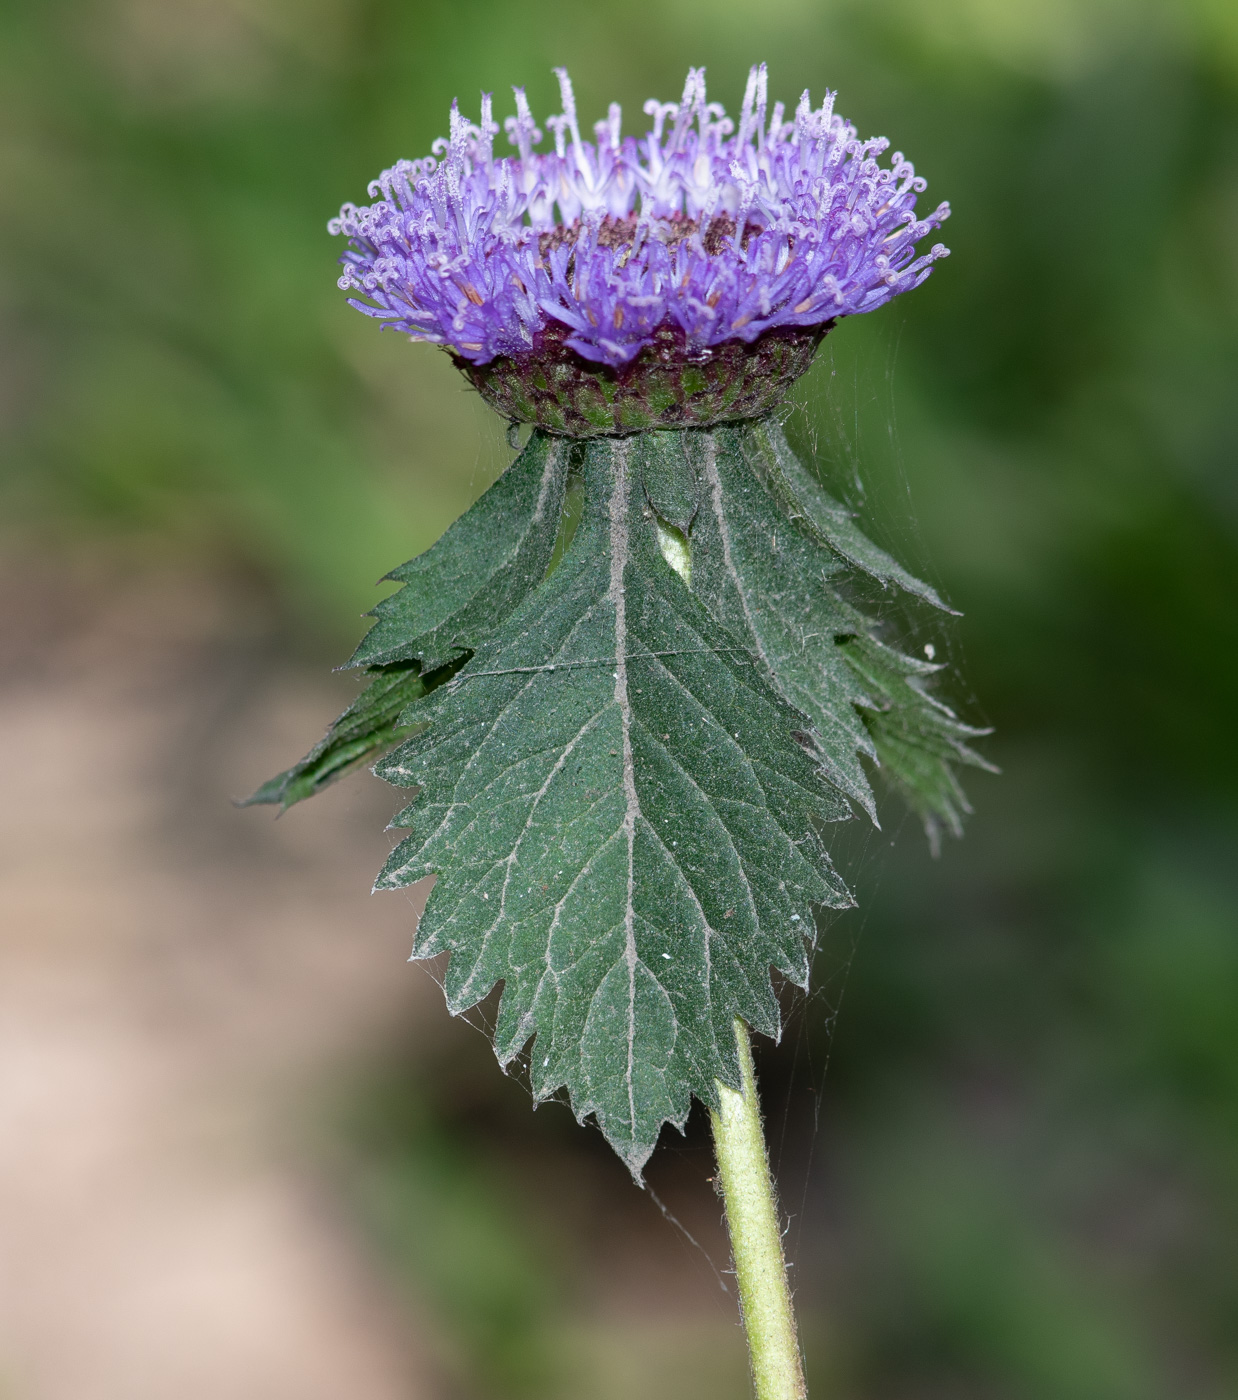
(777, 587)
(770, 575)
(918, 739)
(369, 727)
(477, 572)
(454, 594)
(811, 507)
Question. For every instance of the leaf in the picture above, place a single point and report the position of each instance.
(918, 739)
(811, 507)
(778, 590)
(623, 817)
(366, 728)
(479, 570)
(453, 593)
(770, 574)
(622, 764)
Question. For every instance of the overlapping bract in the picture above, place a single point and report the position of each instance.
(718, 232)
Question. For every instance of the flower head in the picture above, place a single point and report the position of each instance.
(698, 236)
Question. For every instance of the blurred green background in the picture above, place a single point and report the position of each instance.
(1006, 1125)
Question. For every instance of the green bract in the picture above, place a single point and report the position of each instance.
(624, 767)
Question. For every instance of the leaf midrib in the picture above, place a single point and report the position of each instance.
(619, 544)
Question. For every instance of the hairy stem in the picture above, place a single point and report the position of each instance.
(756, 1240)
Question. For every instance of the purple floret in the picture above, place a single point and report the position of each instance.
(721, 234)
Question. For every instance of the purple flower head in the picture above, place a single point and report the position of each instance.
(701, 232)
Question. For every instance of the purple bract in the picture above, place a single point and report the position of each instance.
(715, 233)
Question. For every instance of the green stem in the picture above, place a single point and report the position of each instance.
(756, 1240)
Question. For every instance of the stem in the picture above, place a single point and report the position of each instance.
(756, 1241)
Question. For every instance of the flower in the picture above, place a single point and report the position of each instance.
(697, 237)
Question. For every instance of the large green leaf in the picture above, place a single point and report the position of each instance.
(623, 815)
(623, 763)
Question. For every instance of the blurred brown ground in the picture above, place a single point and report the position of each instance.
(174, 978)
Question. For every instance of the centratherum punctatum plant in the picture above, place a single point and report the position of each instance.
(625, 760)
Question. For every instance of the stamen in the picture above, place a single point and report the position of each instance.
(569, 107)
(521, 129)
(488, 130)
